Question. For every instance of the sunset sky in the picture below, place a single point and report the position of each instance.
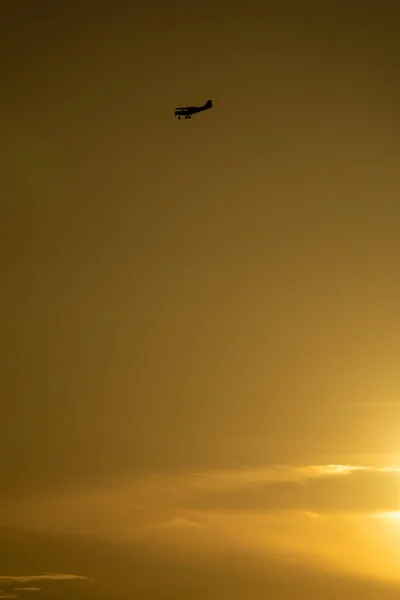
(200, 320)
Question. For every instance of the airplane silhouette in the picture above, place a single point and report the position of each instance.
(188, 111)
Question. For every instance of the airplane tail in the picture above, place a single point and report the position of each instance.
(208, 104)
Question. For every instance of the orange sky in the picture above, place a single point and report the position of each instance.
(198, 314)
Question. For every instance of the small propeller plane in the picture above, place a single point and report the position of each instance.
(188, 111)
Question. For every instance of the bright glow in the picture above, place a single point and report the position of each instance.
(393, 516)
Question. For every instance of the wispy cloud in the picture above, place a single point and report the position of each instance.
(275, 474)
(27, 589)
(12, 580)
(136, 506)
(179, 523)
(319, 489)
(332, 470)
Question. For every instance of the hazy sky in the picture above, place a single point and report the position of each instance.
(200, 319)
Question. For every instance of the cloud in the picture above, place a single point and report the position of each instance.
(43, 577)
(179, 523)
(4, 595)
(9, 581)
(27, 589)
(234, 571)
(133, 505)
(319, 489)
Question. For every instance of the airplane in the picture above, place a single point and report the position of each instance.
(188, 111)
